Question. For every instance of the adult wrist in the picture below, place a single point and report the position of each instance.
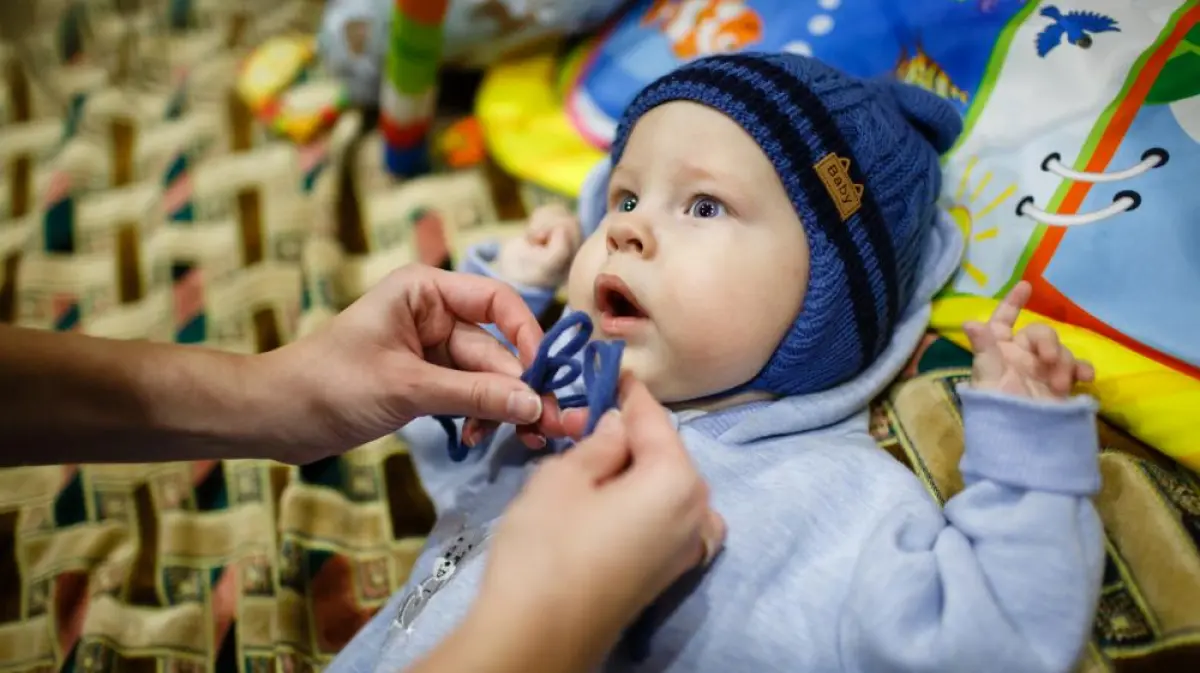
(283, 408)
(198, 396)
(568, 630)
(508, 637)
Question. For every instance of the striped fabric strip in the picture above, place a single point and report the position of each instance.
(414, 53)
(428, 12)
(409, 85)
(403, 136)
(407, 110)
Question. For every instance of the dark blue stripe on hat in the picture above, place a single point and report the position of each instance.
(775, 122)
(878, 236)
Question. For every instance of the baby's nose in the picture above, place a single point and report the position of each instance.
(631, 234)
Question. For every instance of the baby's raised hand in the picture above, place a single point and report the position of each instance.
(1029, 363)
(542, 256)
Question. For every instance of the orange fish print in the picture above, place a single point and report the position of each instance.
(919, 69)
(702, 27)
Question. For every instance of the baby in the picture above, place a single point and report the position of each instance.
(767, 244)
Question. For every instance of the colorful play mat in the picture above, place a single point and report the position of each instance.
(1077, 170)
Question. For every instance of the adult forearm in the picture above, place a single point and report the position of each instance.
(71, 398)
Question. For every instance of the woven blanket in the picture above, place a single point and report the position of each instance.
(249, 565)
(164, 210)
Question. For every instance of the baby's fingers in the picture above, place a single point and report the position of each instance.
(475, 431)
(531, 437)
(558, 242)
(1043, 343)
(989, 361)
(1084, 371)
(557, 422)
(1009, 309)
(1062, 372)
(537, 237)
(548, 215)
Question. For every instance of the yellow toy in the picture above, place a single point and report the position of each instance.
(526, 128)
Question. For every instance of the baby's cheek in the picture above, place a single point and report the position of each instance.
(581, 279)
(710, 355)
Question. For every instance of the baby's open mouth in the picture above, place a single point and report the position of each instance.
(615, 300)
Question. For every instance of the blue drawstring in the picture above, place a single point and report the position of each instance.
(600, 367)
(601, 370)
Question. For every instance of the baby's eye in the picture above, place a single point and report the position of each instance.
(706, 207)
(626, 203)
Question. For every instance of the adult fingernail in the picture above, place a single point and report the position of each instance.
(573, 416)
(537, 441)
(609, 421)
(524, 407)
(712, 536)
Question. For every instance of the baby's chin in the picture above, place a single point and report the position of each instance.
(678, 391)
(664, 385)
(647, 368)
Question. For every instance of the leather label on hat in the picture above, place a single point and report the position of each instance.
(834, 172)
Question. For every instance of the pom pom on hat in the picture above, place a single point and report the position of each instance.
(859, 161)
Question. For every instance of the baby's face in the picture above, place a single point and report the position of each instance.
(701, 264)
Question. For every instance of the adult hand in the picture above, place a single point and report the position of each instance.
(411, 346)
(600, 531)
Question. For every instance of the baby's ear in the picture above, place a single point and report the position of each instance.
(934, 116)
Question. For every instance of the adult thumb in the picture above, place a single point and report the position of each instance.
(604, 453)
(480, 395)
(652, 435)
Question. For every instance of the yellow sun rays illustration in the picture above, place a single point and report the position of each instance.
(966, 215)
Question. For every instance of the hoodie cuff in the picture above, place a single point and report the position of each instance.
(1034, 445)
(479, 260)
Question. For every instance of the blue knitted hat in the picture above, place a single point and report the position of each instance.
(859, 161)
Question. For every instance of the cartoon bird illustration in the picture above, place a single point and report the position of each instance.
(1077, 25)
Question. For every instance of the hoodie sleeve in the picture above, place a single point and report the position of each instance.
(1007, 576)
(479, 260)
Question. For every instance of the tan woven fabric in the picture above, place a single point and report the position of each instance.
(170, 215)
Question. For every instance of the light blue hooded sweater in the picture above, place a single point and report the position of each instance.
(837, 558)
